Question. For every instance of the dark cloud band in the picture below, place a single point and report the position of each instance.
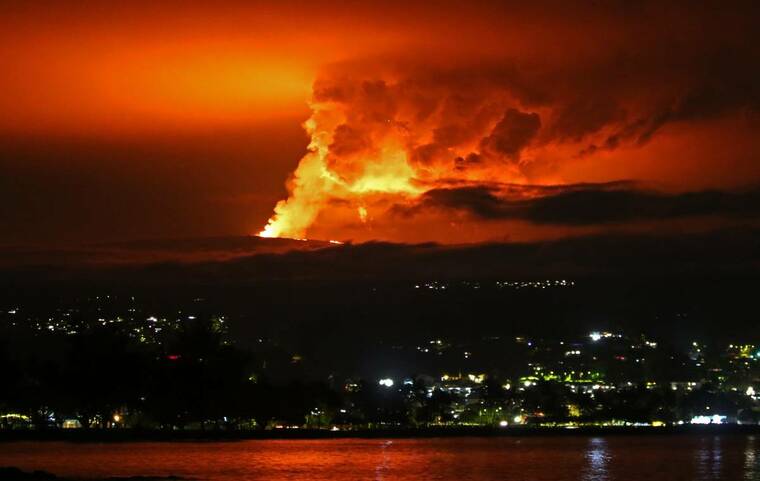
(590, 204)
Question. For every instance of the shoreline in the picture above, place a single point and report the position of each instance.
(134, 435)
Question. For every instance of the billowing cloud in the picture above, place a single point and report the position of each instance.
(403, 98)
(390, 134)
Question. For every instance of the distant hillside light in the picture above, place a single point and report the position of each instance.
(595, 336)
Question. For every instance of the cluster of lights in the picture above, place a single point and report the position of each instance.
(714, 419)
(477, 378)
(541, 284)
(597, 336)
(436, 344)
(544, 284)
(689, 386)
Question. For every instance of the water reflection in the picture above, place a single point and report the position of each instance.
(597, 458)
(572, 458)
(709, 459)
(751, 471)
(382, 466)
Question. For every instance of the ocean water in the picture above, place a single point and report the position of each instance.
(556, 458)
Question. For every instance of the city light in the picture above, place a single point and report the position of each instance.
(714, 419)
(387, 382)
(595, 336)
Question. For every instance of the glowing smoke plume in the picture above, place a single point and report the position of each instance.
(378, 143)
(316, 181)
(392, 142)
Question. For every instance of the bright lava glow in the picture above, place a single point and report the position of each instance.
(268, 232)
(316, 180)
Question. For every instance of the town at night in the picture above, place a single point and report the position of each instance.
(394, 241)
(117, 361)
(126, 370)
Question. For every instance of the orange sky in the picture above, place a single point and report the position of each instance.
(193, 111)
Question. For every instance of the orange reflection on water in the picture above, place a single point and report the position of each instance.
(557, 458)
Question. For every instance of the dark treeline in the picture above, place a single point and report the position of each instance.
(104, 377)
(190, 376)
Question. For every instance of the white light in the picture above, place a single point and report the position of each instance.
(503, 424)
(750, 391)
(518, 419)
(715, 419)
(595, 336)
(387, 382)
(700, 420)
